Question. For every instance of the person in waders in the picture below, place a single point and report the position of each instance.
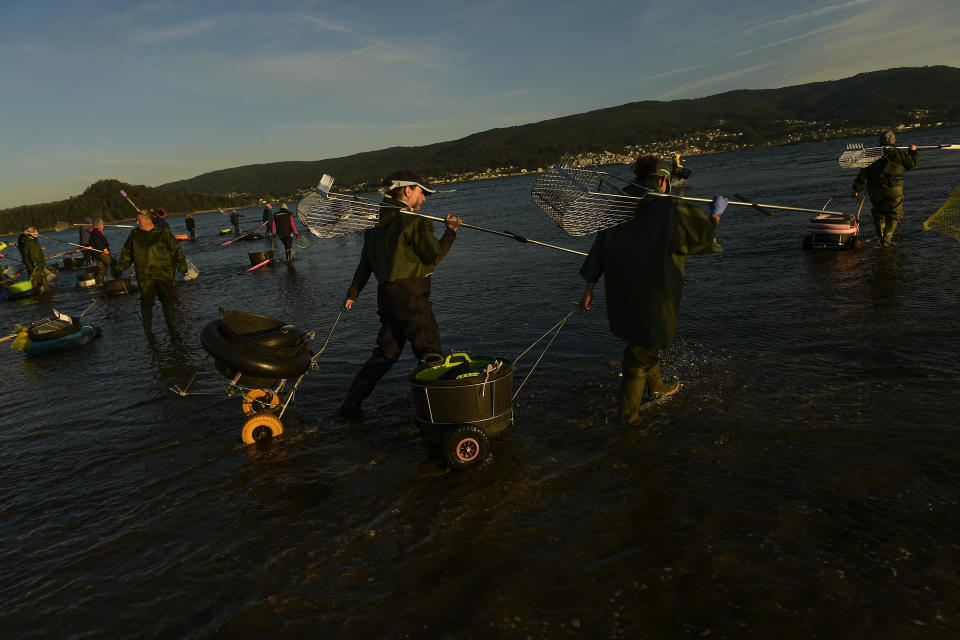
(285, 228)
(884, 182)
(153, 251)
(267, 218)
(32, 254)
(235, 221)
(191, 226)
(643, 261)
(101, 258)
(84, 232)
(401, 251)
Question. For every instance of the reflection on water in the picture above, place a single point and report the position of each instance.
(802, 484)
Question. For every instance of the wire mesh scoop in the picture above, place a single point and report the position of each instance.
(330, 215)
(575, 199)
(856, 157)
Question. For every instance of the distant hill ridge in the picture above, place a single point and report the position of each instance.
(727, 121)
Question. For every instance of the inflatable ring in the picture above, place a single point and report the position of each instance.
(252, 402)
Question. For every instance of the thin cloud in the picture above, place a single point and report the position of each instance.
(689, 87)
(786, 40)
(179, 32)
(816, 13)
(326, 25)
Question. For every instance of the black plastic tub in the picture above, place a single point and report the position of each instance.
(256, 257)
(463, 390)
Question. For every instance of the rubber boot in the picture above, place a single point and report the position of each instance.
(878, 226)
(888, 232)
(659, 390)
(631, 398)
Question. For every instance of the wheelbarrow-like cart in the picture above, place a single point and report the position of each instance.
(264, 360)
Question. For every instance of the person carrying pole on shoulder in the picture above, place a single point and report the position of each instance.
(32, 254)
(285, 228)
(883, 180)
(401, 251)
(643, 262)
(101, 258)
(153, 251)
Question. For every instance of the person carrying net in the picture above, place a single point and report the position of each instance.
(401, 251)
(643, 261)
(883, 180)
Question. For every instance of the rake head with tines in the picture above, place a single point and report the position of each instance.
(575, 199)
(330, 215)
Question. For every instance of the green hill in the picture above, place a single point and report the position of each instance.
(726, 121)
(102, 200)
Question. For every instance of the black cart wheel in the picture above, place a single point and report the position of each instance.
(464, 446)
(260, 426)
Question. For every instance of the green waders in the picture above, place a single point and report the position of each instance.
(641, 368)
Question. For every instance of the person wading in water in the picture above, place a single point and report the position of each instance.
(401, 251)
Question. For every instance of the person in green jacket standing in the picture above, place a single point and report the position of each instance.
(884, 182)
(401, 251)
(32, 255)
(153, 251)
(643, 261)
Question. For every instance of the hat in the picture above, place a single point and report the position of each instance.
(28, 226)
(887, 138)
(283, 205)
(407, 179)
(88, 220)
(98, 222)
(161, 213)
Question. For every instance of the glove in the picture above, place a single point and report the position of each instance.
(718, 206)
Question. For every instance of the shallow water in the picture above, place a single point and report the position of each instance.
(803, 484)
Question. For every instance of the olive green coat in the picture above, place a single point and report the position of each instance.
(643, 262)
(884, 181)
(402, 245)
(153, 254)
(31, 252)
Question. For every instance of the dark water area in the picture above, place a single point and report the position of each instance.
(802, 485)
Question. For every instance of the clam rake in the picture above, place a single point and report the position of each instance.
(583, 200)
(330, 215)
(857, 157)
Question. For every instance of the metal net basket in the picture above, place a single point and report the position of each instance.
(51, 327)
(579, 199)
(330, 215)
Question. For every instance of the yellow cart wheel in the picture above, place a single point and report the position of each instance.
(260, 400)
(261, 426)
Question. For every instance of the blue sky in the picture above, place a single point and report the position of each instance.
(150, 92)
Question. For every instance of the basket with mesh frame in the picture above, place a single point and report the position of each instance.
(55, 326)
(330, 215)
(579, 199)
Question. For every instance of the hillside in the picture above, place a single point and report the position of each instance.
(102, 200)
(928, 96)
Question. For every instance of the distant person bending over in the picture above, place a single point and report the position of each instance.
(285, 228)
(101, 258)
(191, 226)
(401, 251)
(85, 239)
(884, 182)
(235, 221)
(32, 254)
(643, 262)
(153, 251)
(267, 219)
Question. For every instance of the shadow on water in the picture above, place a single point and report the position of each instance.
(802, 483)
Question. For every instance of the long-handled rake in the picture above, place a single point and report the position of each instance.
(330, 215)
(583, 200)
(62, 226)
(857, 157)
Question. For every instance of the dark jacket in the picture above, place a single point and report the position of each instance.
(643, 262)
(283, 224)
(402, 245)
(190, 222)
(30, 251)
(153, 254)
(98, 240)
(884, 180)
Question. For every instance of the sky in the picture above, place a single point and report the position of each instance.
(152, 92)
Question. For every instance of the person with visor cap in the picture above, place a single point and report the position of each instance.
(643, 262)
(401, 251)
